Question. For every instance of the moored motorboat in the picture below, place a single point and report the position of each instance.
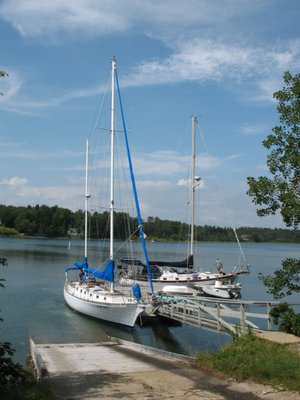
(220, 290)
(179, 290)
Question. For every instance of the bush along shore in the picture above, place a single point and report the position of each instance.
(251, 358)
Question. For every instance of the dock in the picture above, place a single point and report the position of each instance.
(222, 315)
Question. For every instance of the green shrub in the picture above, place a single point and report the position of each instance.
(8, 231)
(285, 316)
(249, 357)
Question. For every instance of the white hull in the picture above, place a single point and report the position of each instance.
(234, 290)
(194, 280)
(98, 303)
(215, 292)
(180, 290)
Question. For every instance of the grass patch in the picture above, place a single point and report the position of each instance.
(249, 357)
(32, 390)
(8, 231)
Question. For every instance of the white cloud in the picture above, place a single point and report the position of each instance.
(250, 130)
(48, 19)
(47, 193)
(203, 60)
(30, 194)
(187, 183)
(172, 163)
(14, 182)
(11, 144)
(11, 86)
(159, 163)
(159, 184)
(264, 89)
(193, 55)
(92, 17)
(197, 60)
(42, 155)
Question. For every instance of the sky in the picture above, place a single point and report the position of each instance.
(219, 60)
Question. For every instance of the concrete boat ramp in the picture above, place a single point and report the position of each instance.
(118, 369)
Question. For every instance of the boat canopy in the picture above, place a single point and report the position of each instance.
(187, 263)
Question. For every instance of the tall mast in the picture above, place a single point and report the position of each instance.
(112, 131)
(194, 179)
(87, 196)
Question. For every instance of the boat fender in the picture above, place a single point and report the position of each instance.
(136, 291)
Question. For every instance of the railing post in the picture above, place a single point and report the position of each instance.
(269, 318)
(242, 319)
(218, 315)
(199, 316)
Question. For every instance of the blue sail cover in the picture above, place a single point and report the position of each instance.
(106, 275)
(83, 265)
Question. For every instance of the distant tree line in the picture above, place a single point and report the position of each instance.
(42, 220)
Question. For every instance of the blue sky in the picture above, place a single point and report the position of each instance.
(220, 60)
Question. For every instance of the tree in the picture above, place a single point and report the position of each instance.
(281, 191)
(11, 374)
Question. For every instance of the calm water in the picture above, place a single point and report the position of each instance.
(32, 303)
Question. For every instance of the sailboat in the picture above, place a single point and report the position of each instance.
(181, 276)
(94, 293)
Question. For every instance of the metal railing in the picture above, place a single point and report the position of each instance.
(233, 316)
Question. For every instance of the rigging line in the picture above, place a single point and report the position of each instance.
(94, 137)
(126, 241)
(134, 185)
(107, 129)
(106, 91)
(99, 112)
(221, 193)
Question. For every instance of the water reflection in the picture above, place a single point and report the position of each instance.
(32, 303)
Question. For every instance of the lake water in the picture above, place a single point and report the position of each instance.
(32, 303)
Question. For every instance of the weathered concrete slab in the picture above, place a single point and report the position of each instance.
(126, 370)
(106, 357)
(279, 337)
